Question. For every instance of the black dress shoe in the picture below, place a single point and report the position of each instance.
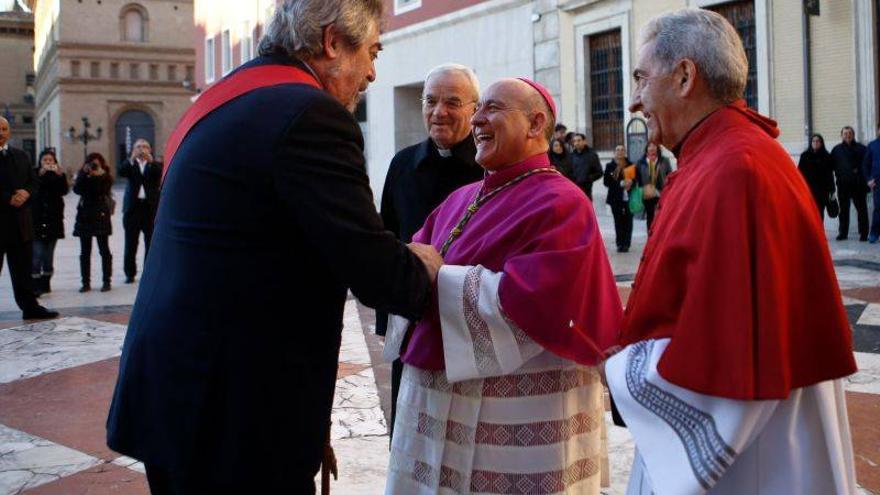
(38, 313)
(841, 237)
(105, 287)
(129, 280)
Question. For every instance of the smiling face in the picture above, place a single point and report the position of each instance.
(557, 147)
(4, 131)
(448, 104)
(654, 96)
(354, 69)
(501, 126)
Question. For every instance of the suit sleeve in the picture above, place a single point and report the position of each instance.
(389, 218)
(867, 164)
(32, 181)
(125, 168)
(321, 180)
(595, 169)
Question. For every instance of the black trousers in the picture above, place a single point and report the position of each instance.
(650, 210)
(163, 482)
(138, 219)
(860, 200)
(20, 256)
(396, 375)
(623, 225)
(85, 258)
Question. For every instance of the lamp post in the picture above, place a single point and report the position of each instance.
(85, 136)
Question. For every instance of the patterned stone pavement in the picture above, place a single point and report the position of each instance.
(56, 381)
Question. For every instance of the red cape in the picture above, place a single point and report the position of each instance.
(737, 270)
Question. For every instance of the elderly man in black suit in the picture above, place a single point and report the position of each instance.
(18, 182)
(421, 176)
(229, 365)
(140, 202)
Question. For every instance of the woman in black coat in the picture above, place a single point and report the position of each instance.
(618, 178)
(817, 167)
(93, 183)
(559, 158)
(48, 213)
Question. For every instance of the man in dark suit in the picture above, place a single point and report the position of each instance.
(140, 202)
(585, 165)
(421, 176)
(229, 365)
(18, 182)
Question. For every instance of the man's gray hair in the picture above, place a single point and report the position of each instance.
(464, 70)
(706, 38)
(297, 28)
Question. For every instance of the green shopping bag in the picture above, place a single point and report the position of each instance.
(636, 205)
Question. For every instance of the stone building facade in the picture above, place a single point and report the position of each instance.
(126, 66)
(584, 52)
(17, 76)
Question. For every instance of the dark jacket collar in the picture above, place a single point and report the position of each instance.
(465, 151)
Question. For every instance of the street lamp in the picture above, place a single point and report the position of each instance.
(85, 136)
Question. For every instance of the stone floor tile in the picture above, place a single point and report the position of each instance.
(104, 479)
(51, 345)
(27, 461)
(871, 315)
(864, 413)
(348, 369)
(362, 463)
(866, 294)
(128, 462)
(68, 407)
(353, 349)
(867, 378)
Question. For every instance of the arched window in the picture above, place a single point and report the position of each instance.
(133, 23)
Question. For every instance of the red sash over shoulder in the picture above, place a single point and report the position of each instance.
(228, 89)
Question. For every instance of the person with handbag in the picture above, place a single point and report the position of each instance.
(652, 171)
(817, 167)
(93, 183)
(619, 177)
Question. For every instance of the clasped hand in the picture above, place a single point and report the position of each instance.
(429, 257)
(19, 197)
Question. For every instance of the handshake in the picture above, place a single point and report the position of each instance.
(429, 257)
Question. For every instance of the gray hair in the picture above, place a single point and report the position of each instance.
(297, 28)
(464, 70)
(706, 38)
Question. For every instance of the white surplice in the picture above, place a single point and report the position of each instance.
(505, 416)
(690, 443)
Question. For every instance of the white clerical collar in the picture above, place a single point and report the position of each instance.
(5, 147)
(444, 153)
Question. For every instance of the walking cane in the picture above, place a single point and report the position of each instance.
(328, 465)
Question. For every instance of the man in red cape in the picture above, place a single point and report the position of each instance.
(500, 392)
(736, 337)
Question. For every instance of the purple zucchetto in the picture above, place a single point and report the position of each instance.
(544, 93)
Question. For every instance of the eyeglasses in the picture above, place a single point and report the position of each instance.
(451, 103)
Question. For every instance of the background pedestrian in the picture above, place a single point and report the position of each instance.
(817, 167)
(619, 176)
(48, 212)
(93, 183)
